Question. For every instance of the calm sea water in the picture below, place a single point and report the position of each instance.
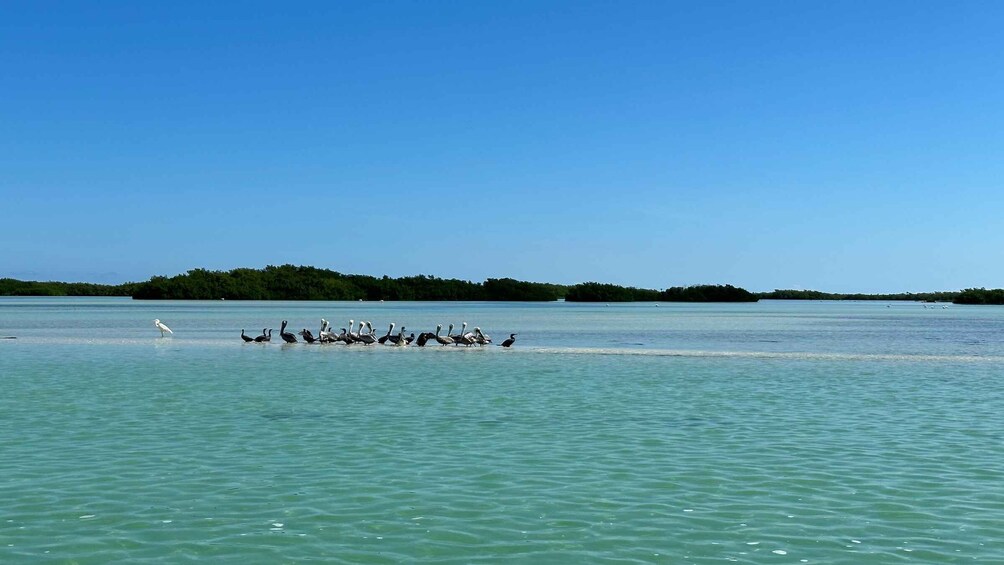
(776, 432)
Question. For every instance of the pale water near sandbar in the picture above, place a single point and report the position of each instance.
(774, 432)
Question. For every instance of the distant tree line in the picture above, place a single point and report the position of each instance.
(817, 295)
(14, 287)
(980, 296)
(290, 282)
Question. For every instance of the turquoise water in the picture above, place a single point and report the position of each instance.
(774, 432)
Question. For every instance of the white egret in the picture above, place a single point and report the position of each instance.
(160, 326)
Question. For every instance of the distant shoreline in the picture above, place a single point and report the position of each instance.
(289, 282)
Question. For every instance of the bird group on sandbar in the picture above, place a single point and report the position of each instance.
(365, 335)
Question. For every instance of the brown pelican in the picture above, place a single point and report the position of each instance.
(480, 338)
(366, 338)
(443, 340)
(459, 337)
(325, 335)
(383, 339)
(351, 336)
(468, 338)
(286, 336)
(401, 340)
(510, 341)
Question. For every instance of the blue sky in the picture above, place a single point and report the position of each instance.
(838, 146)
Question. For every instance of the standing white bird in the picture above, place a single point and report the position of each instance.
(160, 326)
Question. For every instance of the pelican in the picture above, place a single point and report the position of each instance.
(480, 337)
(246, 338)
(325, 335)
(157, 324)
(401, 340)
(440, 339)
(468, 338)
(367, 338)
(384, 339)
(510, 341)
(459, 337)
(286, 336)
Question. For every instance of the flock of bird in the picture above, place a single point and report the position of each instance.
(365, 335)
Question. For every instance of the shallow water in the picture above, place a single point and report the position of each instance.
(775, 432)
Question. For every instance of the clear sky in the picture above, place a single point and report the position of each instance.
(837, 146)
